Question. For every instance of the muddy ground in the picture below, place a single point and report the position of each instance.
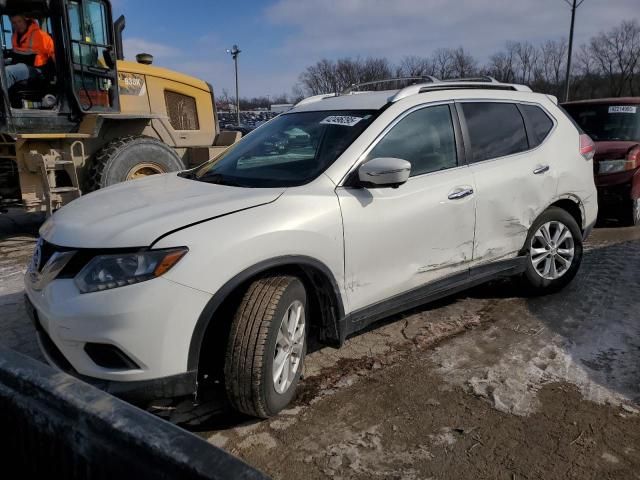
(488, 384)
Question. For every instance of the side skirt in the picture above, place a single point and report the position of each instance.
(430, 292)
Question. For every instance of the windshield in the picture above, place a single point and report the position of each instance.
(608, 122)
(290, 150)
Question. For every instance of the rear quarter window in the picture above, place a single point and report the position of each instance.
(539, 122)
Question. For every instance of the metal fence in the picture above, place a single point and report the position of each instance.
(55, 426)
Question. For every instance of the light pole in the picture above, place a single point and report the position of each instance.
(574, 4)
(234, 52)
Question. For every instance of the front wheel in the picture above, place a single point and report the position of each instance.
(267, 345)
(554, 251)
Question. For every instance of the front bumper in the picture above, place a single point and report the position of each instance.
(615, 189)
(151, 323)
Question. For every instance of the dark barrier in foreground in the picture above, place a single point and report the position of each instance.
(55, 426)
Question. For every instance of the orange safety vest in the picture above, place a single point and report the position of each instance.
(36, 42)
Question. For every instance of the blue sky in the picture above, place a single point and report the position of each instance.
(279, 38)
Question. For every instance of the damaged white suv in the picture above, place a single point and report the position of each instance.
(344, 210)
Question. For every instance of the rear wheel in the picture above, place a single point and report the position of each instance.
(554, 251)
(267, 345)
(635, 212)
(130, 158)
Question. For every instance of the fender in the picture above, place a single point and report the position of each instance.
(216, 301)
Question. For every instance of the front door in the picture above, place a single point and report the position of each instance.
(92, 57)
(398, 239)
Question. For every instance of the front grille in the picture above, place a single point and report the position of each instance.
(182, 110)
(78, 261)
(46, 252)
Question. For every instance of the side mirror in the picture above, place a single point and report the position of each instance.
(384, 172)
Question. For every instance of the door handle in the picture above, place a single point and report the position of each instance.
(542, 169)
(460, 193)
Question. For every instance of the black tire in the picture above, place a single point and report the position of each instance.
(113, 163)
(249, 361)
(534, 281)
(634, 212)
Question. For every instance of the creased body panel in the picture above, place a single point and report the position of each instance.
(305, 221)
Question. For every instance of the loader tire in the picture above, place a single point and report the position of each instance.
(129, 158)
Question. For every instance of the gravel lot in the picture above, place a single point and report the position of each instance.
(488, 384)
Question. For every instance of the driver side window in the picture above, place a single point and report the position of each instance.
(425, 138)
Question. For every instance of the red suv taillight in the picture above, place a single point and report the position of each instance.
(587, 147)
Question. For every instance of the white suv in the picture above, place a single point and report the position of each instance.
(345, 210)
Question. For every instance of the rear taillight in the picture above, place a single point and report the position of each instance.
(587, 147)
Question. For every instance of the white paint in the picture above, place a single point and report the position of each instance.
(376, 242)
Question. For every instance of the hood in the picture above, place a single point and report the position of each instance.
(135, 214)
(613, 150)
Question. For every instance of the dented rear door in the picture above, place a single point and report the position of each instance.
(514, 182)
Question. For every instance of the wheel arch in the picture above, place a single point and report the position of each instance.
(322, 289)
(574, 206)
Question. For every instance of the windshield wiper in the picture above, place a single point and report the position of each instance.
(188, 174)
(219, 179)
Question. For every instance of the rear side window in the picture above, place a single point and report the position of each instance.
(495, 130)
(425, 138)
(540, 123)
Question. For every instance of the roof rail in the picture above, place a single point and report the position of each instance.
(481, 78)
(474, 83)
(389, 80)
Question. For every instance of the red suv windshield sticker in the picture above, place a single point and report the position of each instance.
(622, 109)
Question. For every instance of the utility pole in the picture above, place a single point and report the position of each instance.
(574, 4)
(234, 52)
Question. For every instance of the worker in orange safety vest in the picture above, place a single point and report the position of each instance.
(31, 41)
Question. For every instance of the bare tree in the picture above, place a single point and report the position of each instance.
(526, 59)
(463, 64)
(616, 54)
(442, 61)
(609, 64)
(320, 78)
(414, 66)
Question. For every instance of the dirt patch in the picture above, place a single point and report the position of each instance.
(375, 430)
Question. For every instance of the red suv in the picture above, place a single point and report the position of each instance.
(614, 125)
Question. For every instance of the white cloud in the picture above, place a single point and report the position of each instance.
(417, 27)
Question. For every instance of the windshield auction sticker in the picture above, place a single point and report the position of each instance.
(344, 120)
(622, 109)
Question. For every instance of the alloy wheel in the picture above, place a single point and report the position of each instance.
(552, 250)
(289, 347)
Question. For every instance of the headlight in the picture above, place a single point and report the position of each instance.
(112, 271)
(613, 166)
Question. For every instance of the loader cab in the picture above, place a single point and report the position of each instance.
(81, 78)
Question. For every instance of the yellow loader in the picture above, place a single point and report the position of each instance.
(90, 119)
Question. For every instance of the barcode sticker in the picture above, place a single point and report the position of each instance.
(344, 120)
(622, 109)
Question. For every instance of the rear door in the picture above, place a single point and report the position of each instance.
(515, 178)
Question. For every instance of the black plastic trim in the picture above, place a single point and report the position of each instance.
(360, 319)
(221, 295)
